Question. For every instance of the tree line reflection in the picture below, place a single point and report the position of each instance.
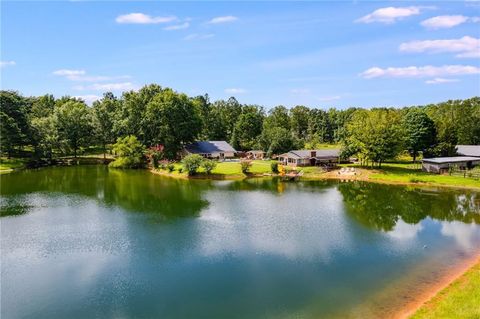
(381, 206)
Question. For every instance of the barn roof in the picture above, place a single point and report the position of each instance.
(469, 150)
(453, 159)
(208, 147)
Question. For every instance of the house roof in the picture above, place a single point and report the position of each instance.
(308, 153)
(469, 150)
(208, 147)
(256, 151)
(453, 159)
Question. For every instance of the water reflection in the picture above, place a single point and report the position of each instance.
(295, 225)
(135, 191)
(262, 247)
(381, 207)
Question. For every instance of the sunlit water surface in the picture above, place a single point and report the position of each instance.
(88, 242)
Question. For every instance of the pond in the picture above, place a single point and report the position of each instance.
(89, 242)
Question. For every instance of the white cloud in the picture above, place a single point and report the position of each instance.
(443, 22)
(4, 64)
(390, 14)
(466, 47)
(67, 72)
(404, 231)
(197, 36)
(80, 76)
(224, 19)
(464, 234)
(235, 91)
(177, 27)
(419, 72)
(117, 86)
(440, 81)
(89, 98)
(140, 18)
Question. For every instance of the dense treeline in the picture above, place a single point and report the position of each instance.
(45, 127)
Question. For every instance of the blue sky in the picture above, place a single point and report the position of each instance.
(319, 54)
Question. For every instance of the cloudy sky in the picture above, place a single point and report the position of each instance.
(319, 54)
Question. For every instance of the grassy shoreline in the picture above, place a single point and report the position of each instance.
(402, 173)
(390, 173)
(459, 299)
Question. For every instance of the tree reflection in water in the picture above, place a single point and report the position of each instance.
(381, 206)
(134, 191)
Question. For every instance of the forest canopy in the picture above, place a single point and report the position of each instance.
(47, 127)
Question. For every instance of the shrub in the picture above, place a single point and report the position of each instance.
(208, 165)
(170, 167)
(129, 152)
(274, 167)
(155, 154)
(191, 163)
(245, 165)
(180, 170)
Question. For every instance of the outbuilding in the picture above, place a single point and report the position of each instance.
(441, 165)
(211, 149)
(327, 157)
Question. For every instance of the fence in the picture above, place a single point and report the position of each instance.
(474, 174)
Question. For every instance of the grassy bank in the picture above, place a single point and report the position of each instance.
(392, 173)
(461, 299)
(223, 170)
(11, 164)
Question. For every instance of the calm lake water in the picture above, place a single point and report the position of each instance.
(88, 242)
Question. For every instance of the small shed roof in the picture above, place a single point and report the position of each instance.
(453, 159)
(469, 150)
(208, 147)
(308, 153)
(256, 152)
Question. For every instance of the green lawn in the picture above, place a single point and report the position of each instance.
(12, 163)
(410, 173)
(461, 299)
(390, 172)
(232, 168)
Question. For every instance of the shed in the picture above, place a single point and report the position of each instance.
(442, 164)
(211, 149)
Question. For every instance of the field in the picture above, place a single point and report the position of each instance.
(461, 299)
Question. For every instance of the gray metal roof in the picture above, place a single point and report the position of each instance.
(469, 150)
(453, 159)
(208, 147)
(307, 153)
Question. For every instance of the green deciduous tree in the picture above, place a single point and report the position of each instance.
(171, 120)
(74, 124)
(14, 124)
(299, 116)
(129, 153)
(419, 132)
(278, 140)
(248, 127)
(375, 135)
(104, 115)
